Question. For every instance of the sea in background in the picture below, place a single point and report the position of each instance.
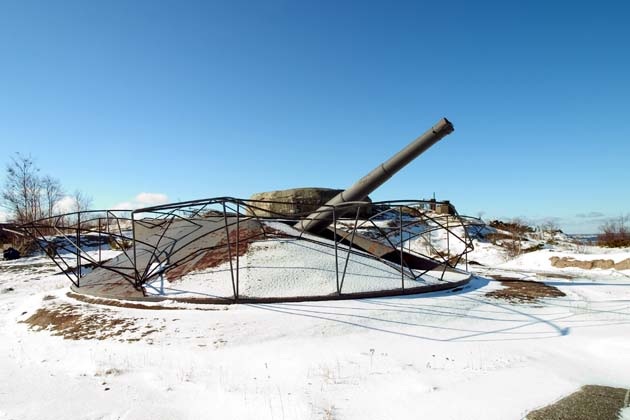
(590, 238)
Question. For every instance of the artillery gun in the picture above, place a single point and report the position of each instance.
(347, 247)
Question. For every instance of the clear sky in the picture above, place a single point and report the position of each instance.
(190, 100)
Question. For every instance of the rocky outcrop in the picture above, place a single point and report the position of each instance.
(623, 265)
(296, 201)
(565, 262)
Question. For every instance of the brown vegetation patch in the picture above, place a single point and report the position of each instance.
(615, 233)
(236, 244)
(74, 323)
(514, 226)
(591, 402)
(495, 237)
(517, 290)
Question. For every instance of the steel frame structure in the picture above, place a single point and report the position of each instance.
(393, 224)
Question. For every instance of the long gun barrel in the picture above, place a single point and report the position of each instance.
(322, 217)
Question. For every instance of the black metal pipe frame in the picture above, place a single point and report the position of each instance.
(240, 210)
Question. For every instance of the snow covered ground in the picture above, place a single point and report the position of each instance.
(289, 267)
(451, 355)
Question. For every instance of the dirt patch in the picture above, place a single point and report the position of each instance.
(591, 402)
(523, 291)
(74, 323)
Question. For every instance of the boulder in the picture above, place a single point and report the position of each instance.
(623, 265)
(11, 254)
(604, 264)
(292, 202)
(565, 262)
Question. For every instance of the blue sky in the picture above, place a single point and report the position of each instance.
(202, 99)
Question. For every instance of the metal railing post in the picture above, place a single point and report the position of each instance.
(402, 265)
(334, 214)
(448, 242)
(99, 240)
(229, 248)
(238, 240)
(78, 248)
(135, 254)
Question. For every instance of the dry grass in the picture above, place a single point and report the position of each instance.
(523, 291)
(75, 323)
(591, 402)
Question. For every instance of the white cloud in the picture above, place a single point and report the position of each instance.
(65, 205)
(144, 199)
(4, 216)
(151, 199)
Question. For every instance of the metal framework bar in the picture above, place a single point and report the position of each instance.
(412, 220)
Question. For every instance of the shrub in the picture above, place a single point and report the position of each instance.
(516, 226)
(512, 242)
(614, 233)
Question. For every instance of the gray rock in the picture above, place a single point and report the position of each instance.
(292, 202)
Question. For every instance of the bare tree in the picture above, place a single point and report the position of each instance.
(518, 228)
(22, 190)
(52, 194)
(551, 226)
(82, 201)
(549, 229)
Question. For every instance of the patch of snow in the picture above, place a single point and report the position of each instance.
(290, 267)
(448, 355)
(487, 254)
